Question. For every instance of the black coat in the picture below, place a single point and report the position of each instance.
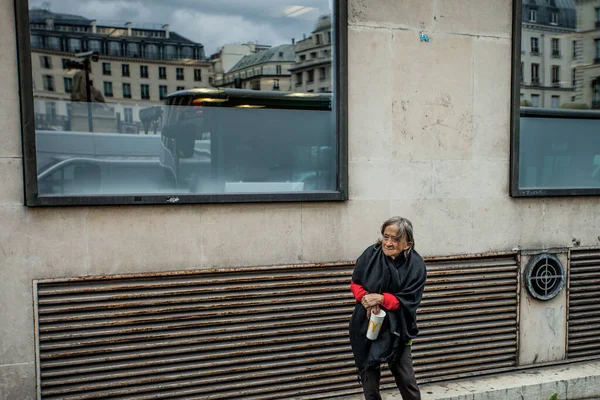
(403, 277)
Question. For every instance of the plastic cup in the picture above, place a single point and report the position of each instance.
(375, 323)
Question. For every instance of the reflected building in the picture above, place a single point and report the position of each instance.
(138, 66)
(312, 72)
(229, 55)
(588, 54)
(548, 48)
(267, 69)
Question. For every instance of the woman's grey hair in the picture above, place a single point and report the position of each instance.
(405, 229)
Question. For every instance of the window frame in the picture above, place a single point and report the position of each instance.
(25, 77)
(515, 117)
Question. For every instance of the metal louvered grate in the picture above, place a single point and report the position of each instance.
(274, 332)
(584, 309)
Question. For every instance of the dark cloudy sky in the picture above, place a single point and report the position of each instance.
(210, 22)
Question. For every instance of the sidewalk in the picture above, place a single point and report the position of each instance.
(570, 381)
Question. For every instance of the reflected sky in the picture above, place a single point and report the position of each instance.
(212, 23)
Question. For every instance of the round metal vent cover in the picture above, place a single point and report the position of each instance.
(544, 276)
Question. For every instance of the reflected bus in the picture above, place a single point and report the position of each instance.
(246, 141)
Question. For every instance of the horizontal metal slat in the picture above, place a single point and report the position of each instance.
(479, 277)
(186, 354)
(208, 311)
(452, 314)
(87, 331)
(265, 369)
(487, 357)
(228, 300)
(287, 288)
(473, 299)
(232, 332)
(447, 350)
(123, 370)
(434, 288)
(239, 381)
(216, 340)
(433, 272)
(478, 326)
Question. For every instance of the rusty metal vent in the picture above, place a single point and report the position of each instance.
(584, 308)
(275, 332)
(544, 276)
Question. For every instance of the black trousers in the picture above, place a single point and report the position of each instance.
(404, 374)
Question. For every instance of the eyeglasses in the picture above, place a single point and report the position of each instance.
(395, 239)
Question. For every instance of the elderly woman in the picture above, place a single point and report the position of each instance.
(389, 275)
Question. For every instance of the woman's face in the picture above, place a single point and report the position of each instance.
(391, 244)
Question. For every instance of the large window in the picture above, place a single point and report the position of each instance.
(555, 147)
(153, 139)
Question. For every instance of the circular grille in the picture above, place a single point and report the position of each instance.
(544, 276)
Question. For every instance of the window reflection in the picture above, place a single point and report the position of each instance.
(560, 56)
(240, 103)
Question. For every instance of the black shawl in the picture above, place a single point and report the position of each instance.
(403, 277)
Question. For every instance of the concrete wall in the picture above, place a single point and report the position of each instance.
(428, 139)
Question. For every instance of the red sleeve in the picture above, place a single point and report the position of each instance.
(390, 302)
(358, 291)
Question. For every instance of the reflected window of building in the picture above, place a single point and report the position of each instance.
(535, 100)
(162, 92)
(145, 92)
(535, 74)
(114, 49)
(556, 75)
(535, 48)
(95, 45)
(74, 45)
(133, 50)
(108, 89)
(170, 52)
(555, 101)
(532, 15)
(48, 83)
(125, 70)
(106, 69)
(143, 71)
(36, 41)
(151, 51)
(187, 52)
(127, 90)
(53, 43)
(68, 82)
(179, 74)
(162, 72)
(46, 62)
(555, 47)
(197, 75)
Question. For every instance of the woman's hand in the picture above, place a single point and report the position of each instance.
(374, 309)
(371, 300)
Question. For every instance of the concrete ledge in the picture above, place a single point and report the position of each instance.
(571, 382)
